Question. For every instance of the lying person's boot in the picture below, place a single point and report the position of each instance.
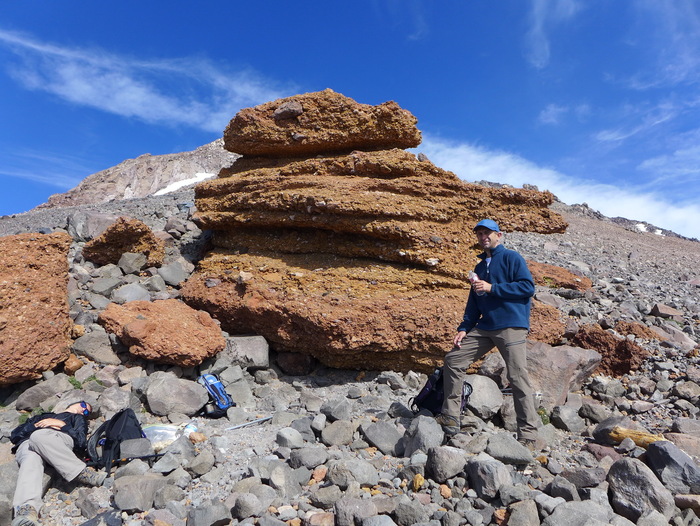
(450, 424)
(26, 515)
(90, 477)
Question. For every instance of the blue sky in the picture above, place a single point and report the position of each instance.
(597, 100)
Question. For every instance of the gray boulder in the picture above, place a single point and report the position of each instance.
(385, 437)
(486, 476)
(673, 467)
(423, 433)
(635, 489)
(137, 493)
(486, 399)
(168, 394)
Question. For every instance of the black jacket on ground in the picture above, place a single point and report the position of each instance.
(76, 427)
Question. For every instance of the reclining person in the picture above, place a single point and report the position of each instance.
(51, 438)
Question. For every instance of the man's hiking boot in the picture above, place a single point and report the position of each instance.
(450, 424)
(26, 515)
(90, 477)
(533, 445)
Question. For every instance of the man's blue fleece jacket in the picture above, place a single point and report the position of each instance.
(508, 303)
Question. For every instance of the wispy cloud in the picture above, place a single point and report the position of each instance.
(671, 39)
(543, 17)
(552, 114)
(182, 91)
(475, 163)
(642, 119)
(59, 171)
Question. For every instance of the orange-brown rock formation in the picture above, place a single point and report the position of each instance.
(125, 235)
(620, 356)
(557, 277)
(165, 331)
(319, 123)
(34, 322)
(357, 257)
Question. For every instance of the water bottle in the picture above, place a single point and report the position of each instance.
(189, 429)
(473, 278)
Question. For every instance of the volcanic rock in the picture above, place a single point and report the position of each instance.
(318, 123)
(557, 277)
(34, 322)
(125, 236)
(620, 356)
(364, 254)
(166, 331)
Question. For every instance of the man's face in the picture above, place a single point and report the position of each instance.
(488, 239)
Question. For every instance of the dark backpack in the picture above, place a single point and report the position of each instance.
(432, 394)
(104, 444)
(219, 399)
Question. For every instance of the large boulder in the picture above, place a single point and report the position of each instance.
(354, 251)
(34, 322)
(166, 331)
(556, 371)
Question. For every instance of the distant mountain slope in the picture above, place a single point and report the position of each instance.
(145, 176)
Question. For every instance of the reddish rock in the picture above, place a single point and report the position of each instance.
(664, 311)
(165, 331)
(72, 364)
(319, 122)
(600, 451)
(620, 356)
(546, 324)
(125, 235)
(34, 323)
(557, 277)
(637, 329)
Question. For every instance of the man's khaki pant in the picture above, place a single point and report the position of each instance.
(44, 445)
(511, 344)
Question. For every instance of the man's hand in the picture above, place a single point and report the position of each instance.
(480, 285)
(53, 423)
(459, 337)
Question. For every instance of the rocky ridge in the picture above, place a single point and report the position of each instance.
(144, 176)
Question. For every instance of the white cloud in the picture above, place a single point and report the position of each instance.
(543, 16)
(185, 91)
(552, 114)
(475, 163)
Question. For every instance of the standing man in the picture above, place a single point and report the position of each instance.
(51, 438)
(497, 315)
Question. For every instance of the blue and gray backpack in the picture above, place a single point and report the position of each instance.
(219, 399)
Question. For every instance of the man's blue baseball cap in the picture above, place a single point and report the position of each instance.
(488, 223)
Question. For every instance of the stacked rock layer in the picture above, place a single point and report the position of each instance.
(331, 240)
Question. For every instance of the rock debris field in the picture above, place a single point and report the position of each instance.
(343, 447)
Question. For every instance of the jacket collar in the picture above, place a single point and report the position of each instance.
(495, 251)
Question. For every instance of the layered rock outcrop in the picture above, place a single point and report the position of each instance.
(34, 322)
(332, 240)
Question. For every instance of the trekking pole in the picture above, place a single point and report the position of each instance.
(258, 421)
